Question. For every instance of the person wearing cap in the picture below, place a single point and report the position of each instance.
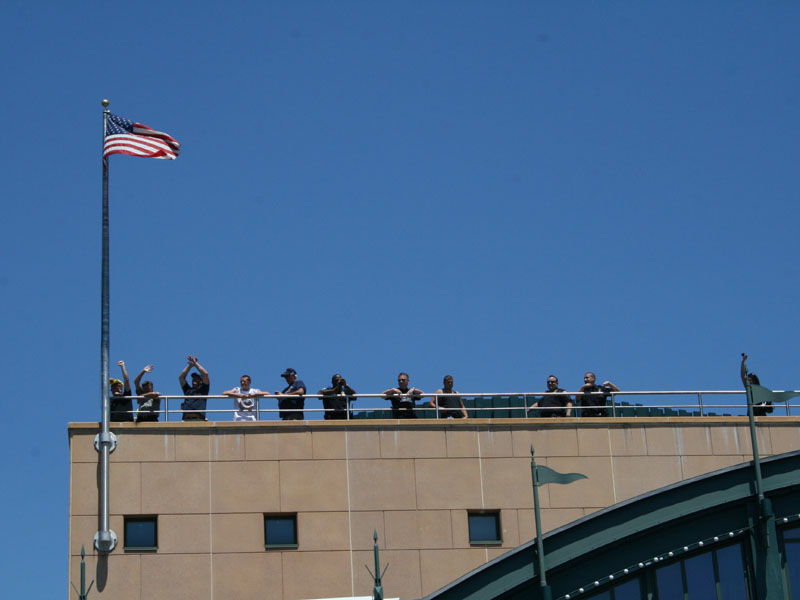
(150, 401)
(337, 398)
(553, 406)
(200, 387)
(448, 406)
(403, 398)
(121, 410)
(244, 400)
(291, 401)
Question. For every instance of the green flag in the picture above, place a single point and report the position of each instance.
(762, 395)
(548, 475)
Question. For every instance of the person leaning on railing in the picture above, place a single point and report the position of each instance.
(594, 396)
(336, 399)
(449, 406)
(200, 387)
(292, 399)
(553, 406)
(403, 398)
(244, 399)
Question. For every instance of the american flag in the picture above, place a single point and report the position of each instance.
(126, 137)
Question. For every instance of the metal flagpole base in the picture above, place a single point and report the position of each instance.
(105, 541)
(105, 437)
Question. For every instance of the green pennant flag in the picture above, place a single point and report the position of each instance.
(763, 395)
(548, 475)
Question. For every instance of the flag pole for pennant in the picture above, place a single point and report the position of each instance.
(105, 540)
(546, 593)
(541, 476)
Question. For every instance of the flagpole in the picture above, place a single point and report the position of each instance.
(768, 576)
(105, 540)
(546, 593)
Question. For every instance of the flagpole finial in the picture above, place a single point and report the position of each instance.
(531, 450)
(105, 103)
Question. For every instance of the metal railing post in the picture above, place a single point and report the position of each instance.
(700, 403)
(166, 409)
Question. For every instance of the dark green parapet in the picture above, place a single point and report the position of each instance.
(509, 407)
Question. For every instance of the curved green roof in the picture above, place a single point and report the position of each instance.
(718, 505)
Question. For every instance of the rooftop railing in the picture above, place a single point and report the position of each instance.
(670, 403)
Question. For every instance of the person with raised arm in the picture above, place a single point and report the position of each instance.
(200, 387)
(121, 409)
(764, 408)
(150, 401)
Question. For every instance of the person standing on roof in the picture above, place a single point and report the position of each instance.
(291, 399)
(244, 400)
(121, 409)
(403, 398)
(150, 401)
(200, 387)
(764, 408)
(449, 406)
(594, 396)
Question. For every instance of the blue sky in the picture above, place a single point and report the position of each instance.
(493, 190)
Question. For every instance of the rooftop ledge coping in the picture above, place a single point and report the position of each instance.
(428, 423)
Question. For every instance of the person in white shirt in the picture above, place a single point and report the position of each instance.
(244, 400)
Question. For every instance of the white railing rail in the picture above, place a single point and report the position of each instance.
(618, 404)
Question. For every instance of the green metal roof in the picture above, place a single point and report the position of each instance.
(638, 529)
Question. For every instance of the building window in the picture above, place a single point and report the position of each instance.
(141, 534)
(719, 573)
(630, 590)
(484, 528)
(280, 531)
(791, 562)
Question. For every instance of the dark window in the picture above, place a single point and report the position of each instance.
(630, 590)
(670, 581)
(791, 548)
(280, 531)
(484, 528)
(717, 573)
(732, 573)
(700, 580)
(141, 533)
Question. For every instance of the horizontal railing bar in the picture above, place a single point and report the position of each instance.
(477, 395)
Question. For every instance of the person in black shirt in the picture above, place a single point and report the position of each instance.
(150, 402)
(403, 398)
(449, 406)
(292, 400)
(337, 398)
(200, 387)
(759, 410)
(554, 406)
(121, 410)
(594, 396)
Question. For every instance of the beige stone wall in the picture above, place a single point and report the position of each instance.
(413, 482)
